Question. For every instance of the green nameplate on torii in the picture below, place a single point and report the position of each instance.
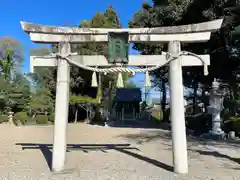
(118, 47)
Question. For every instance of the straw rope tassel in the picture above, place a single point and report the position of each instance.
(120, 80)
(99, 88)
(205, 67)
(94, 80)
(147, 80)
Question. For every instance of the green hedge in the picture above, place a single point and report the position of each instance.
(20, 116)
(87, 99)
(41, 119)
(200, 123)
(233, 124)
(156, 114)
(3, 118)
(51, 117)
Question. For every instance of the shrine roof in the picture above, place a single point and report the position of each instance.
(128, 94)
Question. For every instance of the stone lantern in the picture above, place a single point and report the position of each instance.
(10, 117)
(216, 98)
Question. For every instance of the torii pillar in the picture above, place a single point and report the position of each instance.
(61, 109)
(177, 111)
(172, 35)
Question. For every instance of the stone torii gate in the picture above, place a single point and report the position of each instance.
(174, 35)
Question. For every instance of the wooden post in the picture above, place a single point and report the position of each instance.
(134, 113)
(123, 114)
(61, 110)
(179, 142)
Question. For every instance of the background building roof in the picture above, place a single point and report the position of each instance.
(128, 94)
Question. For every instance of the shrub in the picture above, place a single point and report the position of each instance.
(98, 118)
(51, 117)
(20, 116)
(41, 119)
(3, 118)
(156, 114)
(199, 123)
(233, 124)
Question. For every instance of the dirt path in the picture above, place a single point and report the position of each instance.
(98, 153)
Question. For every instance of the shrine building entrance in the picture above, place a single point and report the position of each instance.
(127, 105)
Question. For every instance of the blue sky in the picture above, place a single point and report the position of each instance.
(58, 12)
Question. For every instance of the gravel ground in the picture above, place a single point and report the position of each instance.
(93, 156)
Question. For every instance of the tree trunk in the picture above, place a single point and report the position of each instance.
(195, 88)
(204, 99)
(76, 114)
(233, 87)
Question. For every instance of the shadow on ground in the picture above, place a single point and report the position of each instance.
(208, 153)
(46, 149)
(147, 136)
(217, 155)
